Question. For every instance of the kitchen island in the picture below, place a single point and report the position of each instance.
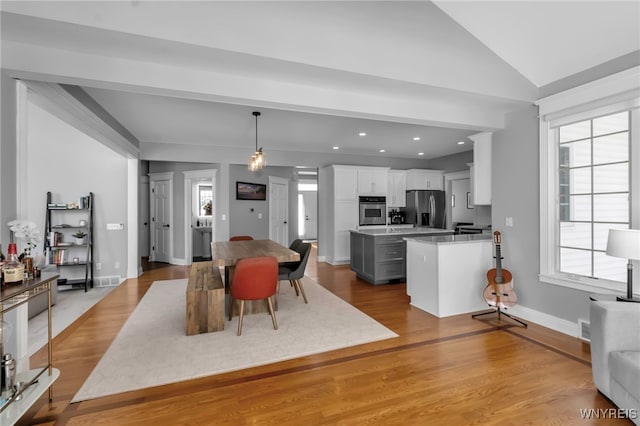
(378, 256)
(447, 274)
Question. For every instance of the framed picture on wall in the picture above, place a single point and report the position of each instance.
(251, 191)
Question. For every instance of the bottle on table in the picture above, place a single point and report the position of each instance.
(13, 270)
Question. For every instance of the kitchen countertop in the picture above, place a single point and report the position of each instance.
(402, 231)
(452, 239)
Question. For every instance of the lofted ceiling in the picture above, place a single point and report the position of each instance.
(190, 73)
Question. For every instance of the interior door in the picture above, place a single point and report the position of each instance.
(310, 214)
(160, 226)
(143, 208)
(279, 211)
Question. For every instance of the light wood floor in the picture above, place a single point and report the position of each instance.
(451, 371)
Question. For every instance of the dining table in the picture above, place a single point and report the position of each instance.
(227, 254)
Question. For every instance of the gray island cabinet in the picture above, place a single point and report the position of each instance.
(378, 256)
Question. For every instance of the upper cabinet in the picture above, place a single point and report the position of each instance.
(481, 169)
(424, 179)
(347, 189)
(372, 180)
(397, 186)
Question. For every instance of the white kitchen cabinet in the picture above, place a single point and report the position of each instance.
(340, 203)
(397, 186)
(421, 179)
(347, 179)
(481, 169)
(435, 281)
(372, 181)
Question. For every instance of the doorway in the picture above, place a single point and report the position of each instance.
(200, 214)
(307, 212)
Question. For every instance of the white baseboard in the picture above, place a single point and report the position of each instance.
(179, 261)
(545, 320)
(322, 258)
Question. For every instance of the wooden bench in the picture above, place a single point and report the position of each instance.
(205, 299)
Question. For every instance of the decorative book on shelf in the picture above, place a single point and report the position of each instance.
(73, 258)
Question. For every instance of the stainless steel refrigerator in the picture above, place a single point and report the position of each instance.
(426, 208)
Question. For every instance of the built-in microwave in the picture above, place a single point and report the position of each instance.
(373, 211)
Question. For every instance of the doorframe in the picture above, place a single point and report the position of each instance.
(189, 177)
(285, 182)
(154, 177)
(448, 178)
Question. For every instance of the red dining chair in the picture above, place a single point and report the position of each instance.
(241, 238)
(255, 278)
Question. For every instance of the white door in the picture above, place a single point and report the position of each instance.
(310, 199)
(143, 208)
(279, 210)
(160, 221)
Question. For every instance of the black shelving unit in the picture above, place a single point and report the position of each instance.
(58, 239)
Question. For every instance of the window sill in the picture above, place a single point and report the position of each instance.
(584, 284)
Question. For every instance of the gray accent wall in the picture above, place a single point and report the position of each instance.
(515, 193)
(243, 218)
(239, 217)
(8, 141)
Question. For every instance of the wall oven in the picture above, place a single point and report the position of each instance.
(373, 211)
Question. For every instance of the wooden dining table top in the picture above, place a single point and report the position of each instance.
(227, 253)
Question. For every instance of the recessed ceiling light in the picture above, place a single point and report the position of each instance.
(383, 150)
(362, 134)
(417, 138)
(461, 143)
(421, 153)
(336, 147)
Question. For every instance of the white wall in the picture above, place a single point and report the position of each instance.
(70, 164)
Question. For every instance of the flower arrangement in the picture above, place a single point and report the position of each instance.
(27, 231)
(208, 208)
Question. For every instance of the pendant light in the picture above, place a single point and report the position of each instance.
(257, 161)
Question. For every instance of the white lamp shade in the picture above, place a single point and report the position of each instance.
(624, 243)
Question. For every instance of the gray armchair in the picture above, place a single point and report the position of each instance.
(615, 353)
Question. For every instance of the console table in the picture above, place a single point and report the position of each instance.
(36, 381)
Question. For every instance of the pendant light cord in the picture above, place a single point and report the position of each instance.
(256, 114)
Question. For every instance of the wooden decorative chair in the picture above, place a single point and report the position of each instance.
(294, 272)
(241, 238)
(255, 278)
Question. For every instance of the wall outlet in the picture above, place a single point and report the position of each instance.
(98, 266)
(509, 222)
(116, 265)
(259, 215)
(115, 226)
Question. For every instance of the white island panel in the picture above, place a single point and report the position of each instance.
(447, 279)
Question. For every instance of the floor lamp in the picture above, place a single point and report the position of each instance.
(625, 243)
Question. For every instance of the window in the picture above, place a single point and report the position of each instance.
(593, 194)
(589, 180)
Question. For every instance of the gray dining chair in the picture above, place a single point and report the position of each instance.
(294, 271)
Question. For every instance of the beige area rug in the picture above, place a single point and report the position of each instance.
(152, 348)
